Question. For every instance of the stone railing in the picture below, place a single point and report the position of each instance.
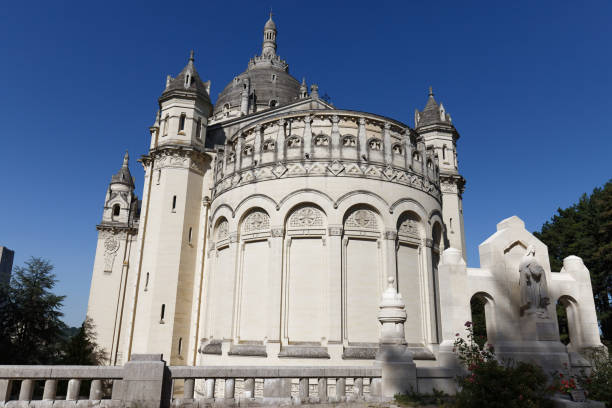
(146, 381)
(332, 144)
(277, 385)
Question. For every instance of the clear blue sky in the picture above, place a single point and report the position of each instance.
(528, 86)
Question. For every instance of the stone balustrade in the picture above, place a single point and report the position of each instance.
(146, 381)
(332, 144)
(282, 385)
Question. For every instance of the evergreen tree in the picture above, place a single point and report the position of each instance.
(81, 348)
(585, 230)
(30, 325)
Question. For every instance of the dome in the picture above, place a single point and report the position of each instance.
(268, 86)
(265, 84)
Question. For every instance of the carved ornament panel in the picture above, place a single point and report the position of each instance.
(306, 217)
(362, 219)
(255, 222)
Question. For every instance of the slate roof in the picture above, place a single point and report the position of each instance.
(432, 114)
(194, 85)
(123, 176)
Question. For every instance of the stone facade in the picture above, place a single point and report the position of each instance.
(267, 233)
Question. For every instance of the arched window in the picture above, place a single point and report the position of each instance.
(375, 144)
(116, 210)
(397, 149)
(199, 128)
(294, 141)
(166, 120)
(182, 122)
(269, 145)
(273, 103)
(349, 141)
(321, 140)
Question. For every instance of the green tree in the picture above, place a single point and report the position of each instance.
(81, 348)
(585, 230)
(30, 318)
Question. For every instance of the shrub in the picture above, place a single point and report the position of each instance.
(489, 383)
(598, 384)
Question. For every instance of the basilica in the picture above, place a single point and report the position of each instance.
(270, 222)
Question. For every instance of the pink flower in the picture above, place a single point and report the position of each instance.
(468, 324)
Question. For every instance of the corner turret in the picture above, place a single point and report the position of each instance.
(121, 204)
(184, 110)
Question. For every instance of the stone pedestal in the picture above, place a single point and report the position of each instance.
(146, 382)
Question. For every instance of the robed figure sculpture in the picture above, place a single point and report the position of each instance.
(534, 291)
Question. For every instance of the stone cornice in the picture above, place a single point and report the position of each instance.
(452, 183)
(115, 229)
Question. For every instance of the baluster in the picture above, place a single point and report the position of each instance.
(358, 387)
(25, 392)
(341, 389)
(6, 386)
(210, 388)
(375, 387)
(117, 392)
(50, 390)
(249, 388)
(74, 386)
(322, 389)
(188, 388)
(95, 392)
(304, 391)
(229, 388)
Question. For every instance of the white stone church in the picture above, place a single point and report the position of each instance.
(271, 220)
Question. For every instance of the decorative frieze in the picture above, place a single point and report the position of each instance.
(111, 246)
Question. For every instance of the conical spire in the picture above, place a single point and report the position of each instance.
(123, 176)
(432, 113)
(188, 80)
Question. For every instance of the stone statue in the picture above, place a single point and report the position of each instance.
(534, 291)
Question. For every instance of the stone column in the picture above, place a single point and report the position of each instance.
(358, 387)
(387, 143)
(238, 159)
(395, 359)
(307, 138)
(257, 144)
(280, 141)
(188, 388)
(389, 250)
(304, 391)
(274, 286)
(363, 143)
(322, 389)
(226, 153)
(334, 300)
(407, 149)
(335, 137)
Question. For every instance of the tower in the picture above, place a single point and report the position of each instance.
(170, 256)
(116, 241)
(434, 125)
(269, 41)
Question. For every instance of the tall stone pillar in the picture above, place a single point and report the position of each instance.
(394, 357)
(335, 284)
(275, 290)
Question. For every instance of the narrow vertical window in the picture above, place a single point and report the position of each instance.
(116, 210)
(444, 152)
(180, 345)
(190, 234)
(166, 119)
(182, 122)
(163, 313)
(158, 175)
(199, 128)
(174, 203)
(146, 282)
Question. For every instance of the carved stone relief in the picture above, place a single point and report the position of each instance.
(111, 246)
(306, 217)
(255, 222)
(222, 230)
(362, 219)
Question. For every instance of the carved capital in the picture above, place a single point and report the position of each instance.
(278, 232)
(429, 243)
(391, 235)
(335, 231)
(233, 237)
(335, 119)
